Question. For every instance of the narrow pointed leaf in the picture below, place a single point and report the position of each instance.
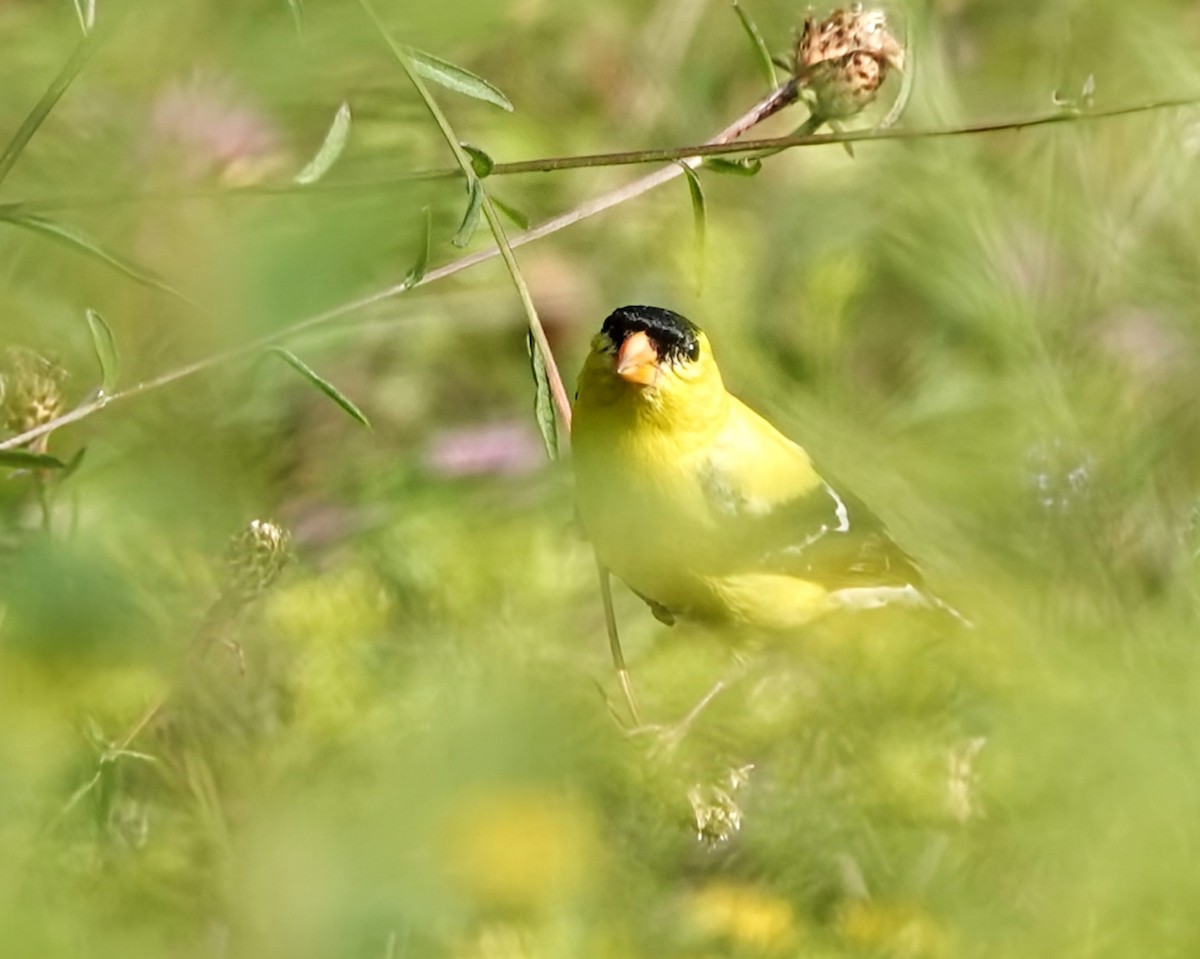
(114, 754)
(331, 148)
(86, 11)
(41, 109)
(417, 273)
(765, 63)
(481, 163)
(699, 217)
(519, 218)
(106, 350)
(322, 384)
(470, 220)
(455, 78)
(23, 459)
(72, 465)
(543, 402)
(746, 166)
(83, 243)
(297, 9)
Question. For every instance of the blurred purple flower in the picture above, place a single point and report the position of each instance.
(215, 132)
(507, 449)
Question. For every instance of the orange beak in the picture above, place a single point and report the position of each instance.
(637, 360)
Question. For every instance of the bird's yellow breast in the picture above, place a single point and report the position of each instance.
(643, 509)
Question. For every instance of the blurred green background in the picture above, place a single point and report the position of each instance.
(993, 339)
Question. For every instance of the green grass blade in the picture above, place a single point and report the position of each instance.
(58, 86)
(331, 148)
(322, 384)
(23, 459)
(88, 245)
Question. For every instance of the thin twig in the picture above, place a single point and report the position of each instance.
(756, 114)
(718, 147)
(881, 132)
(721, 144)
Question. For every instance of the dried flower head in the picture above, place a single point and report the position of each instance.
(30, 389)
(844, 59)
(256, 556)
(716, 815)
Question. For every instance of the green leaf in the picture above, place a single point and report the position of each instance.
(699, 217)
(455, 78)
(417, 273)
(87, 245)
(470, 220)
(297, 8)
(519, 218)
(41, 109)
(321, 383)
(331, 148)
(765, 63)
(112, 755)
(744, 166)
(73, 464)
(106, 350)
(543, 402)
(86, 11)
(23, 459)
(481, 163)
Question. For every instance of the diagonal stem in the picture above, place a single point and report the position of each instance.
(503, 246)
(760, 111)
(614, 643)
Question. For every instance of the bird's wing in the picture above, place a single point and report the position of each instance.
(779, 515)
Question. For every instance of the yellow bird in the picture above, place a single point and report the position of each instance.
(701, 506)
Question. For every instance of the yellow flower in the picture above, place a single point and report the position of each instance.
(744, 916)
(517, 847)
(898, 930)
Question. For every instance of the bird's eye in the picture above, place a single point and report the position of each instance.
(693, 350)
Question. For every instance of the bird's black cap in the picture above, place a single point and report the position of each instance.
(676, 336)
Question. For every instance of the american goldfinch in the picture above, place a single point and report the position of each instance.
(701, 506)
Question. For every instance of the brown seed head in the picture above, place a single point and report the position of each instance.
(845, 58)
(30, 389)
(256, 556)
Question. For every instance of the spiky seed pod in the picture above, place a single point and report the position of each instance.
(256, 556)
(32, 389)
(844, 59)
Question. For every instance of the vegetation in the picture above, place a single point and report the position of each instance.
(277, 684)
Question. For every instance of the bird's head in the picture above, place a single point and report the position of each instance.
(655, 362)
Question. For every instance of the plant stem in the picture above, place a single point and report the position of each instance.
(58, 86)
(754, 115)
(715, 147)
(621, 158)
(561, 399)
